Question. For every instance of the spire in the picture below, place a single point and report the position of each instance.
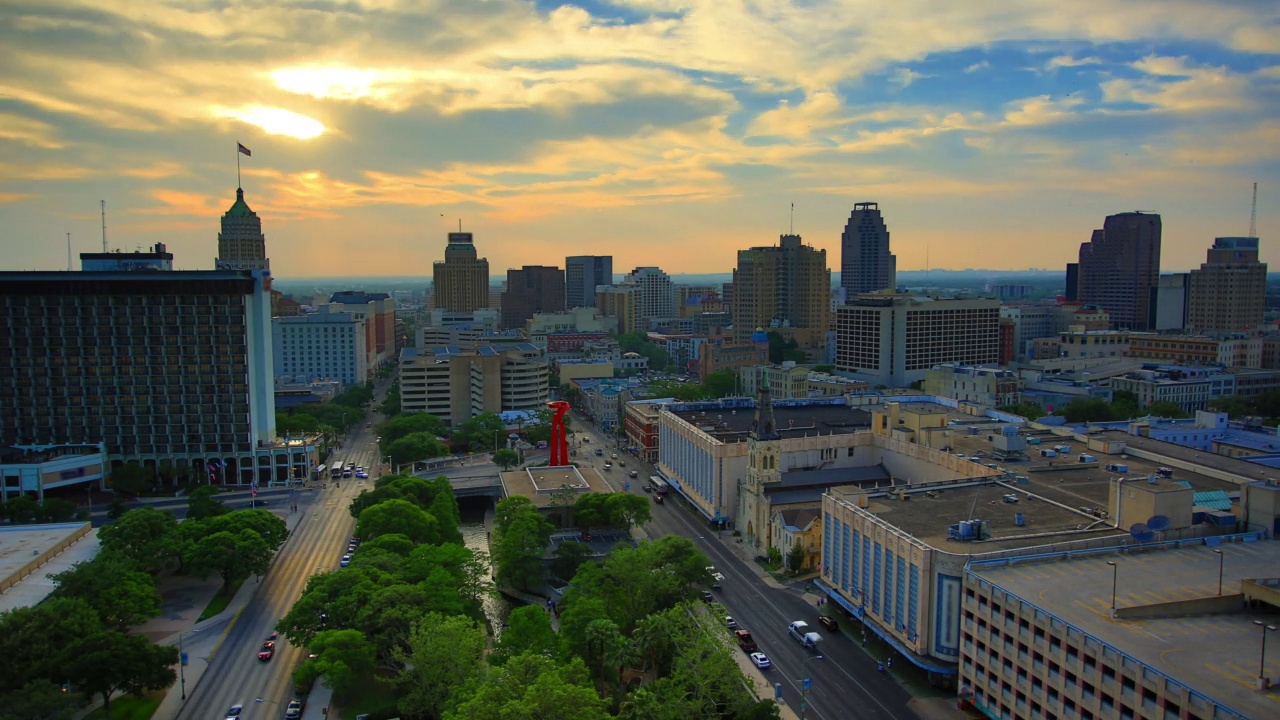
(239, 208)
(764, 427)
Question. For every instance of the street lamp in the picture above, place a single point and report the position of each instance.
(1220, 561)
(1262, 657)
(1114, 572)
(804, 693)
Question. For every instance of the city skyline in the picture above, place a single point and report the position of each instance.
(997, 138)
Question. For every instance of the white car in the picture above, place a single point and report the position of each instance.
(345, 561)
(731, 623)
(761, 660)
(233, 713)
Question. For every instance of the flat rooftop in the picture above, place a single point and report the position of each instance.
(21, 544)
(733, 425)
(1215, 655)
(542, 484)
(1246, 470)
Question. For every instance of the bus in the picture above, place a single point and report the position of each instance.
(335, 471)
(659, 485)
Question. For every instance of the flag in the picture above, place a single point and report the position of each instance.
(244, 150)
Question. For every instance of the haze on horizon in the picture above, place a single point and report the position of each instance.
(658, 131)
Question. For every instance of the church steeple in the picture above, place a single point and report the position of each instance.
(764, 427)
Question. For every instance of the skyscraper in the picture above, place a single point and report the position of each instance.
(866, 265)
(462, 280)
(1228, 293)
(1120, 265)
(655, 293)
(784, 288)
(582, 273)
(241, 244)
(531, 289)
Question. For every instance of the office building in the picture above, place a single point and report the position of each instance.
(1168, 309)
(241, 244)
(786, 381)
(455, 385)
(1228, 292)
(531, 289)
(582, 275)
(170, 366)
(461, 281)
(1119, 267)
(379, 312)
(989, 386)
(723, 353)
(1190, 388)
(866, 265)
(655, 294)
(159, 259)
(585, 322)
(621, 302)
(325, 345)
(895, 339)
(1072, 291)
(784, 289)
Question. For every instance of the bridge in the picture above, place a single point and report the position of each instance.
(477, 485)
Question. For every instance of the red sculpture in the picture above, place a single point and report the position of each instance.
(559, 440)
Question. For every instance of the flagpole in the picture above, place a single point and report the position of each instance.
(238, 186)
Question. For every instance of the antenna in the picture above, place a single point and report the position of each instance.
(68, 252)
(1253, 214)
(792, 231)
(459, 224)
(104, 224)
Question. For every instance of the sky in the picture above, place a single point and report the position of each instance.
(661, 132)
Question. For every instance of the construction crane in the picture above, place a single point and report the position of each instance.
(1253, 214)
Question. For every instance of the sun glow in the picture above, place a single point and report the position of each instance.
(339, 83)
(276, 121)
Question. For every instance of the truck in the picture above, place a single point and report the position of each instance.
(801, 632)
(745, 641)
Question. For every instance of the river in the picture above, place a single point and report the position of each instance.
(496, 606)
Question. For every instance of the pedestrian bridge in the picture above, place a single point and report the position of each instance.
(486, 485)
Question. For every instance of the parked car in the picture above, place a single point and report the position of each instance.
(760, 660)
(745, 641)
(345, 561)
(294, 710)
(268, 651)
(828, 623)
(730, 623)
(707, 597)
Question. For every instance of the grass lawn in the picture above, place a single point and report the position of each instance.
(130, 708)
(221, 600)
(377, 698)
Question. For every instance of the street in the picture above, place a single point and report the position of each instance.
(235, 675)
(844, 684)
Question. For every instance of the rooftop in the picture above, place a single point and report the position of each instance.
(542, 484)
(733, 424)
(1212, 654)
(801, 486)
(21, 544)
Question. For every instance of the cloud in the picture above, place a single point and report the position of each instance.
(1173, 85)
(156, 171)
(1062, 61)
(903, 77)
(28, 131)
(983, 65)
(274, 121)
(9, 197)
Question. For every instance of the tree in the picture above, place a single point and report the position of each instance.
(122, 596)
(57, 510)
(1086, 410)
(506, 458)
(520, 535)
(22, 509)
(482, 432)
(234, 556)
(28, 633)
(39, 699)
(263, 523)
(721, 383)
(144, 536)
(444, 508)
(782, 349)
(528, 630)
(532, 687)
(344, 658)
(132, 478)
(445, 653)
(399, 517)
(201, 504)
(414, 447)
(1028, 410)
(390, 406)
(1167, 409)
(627, 510)
(410, 424)
(795, 558)
(569, 556)
(108, 662)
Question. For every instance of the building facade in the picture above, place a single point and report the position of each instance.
(989, 386)
(1228, 293)
(455, 385)
(785, 381)
(725, 354)
(1120, 266)
(655, 295)
(582, 275)
(621, 302)
(324, 345)
(866, 265)
(784, 289)
(241, 244)
(461, 281)
(531, 289)
(379, 311)
(158, 259)
(895, 339)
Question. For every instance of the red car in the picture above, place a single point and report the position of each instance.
(268, 649)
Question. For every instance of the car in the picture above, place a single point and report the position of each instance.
(233, 712)
(828, 623)
(621, 464)
(635, 474)
(294, 710)
(268, 650)
(657, 499)
(345, 561)
(615, 456)
(648, 488)
(760, 660)
(730, 623)
(360, 468)
(362, 475)
(346, 473)
(707, 597)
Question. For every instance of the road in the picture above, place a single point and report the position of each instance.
(235, 676)
(844, 684)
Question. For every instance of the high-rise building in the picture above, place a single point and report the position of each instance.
(379, 311)
(1120, 265)
(531, 289)
(621, 302)
(655, 293)
(1228, 292)
(325, 345)
(461, 281)
(582, 275)
(784, 289)
(172, 366)
(158, 259)
(241, 244)
(1072, 291)
(1168, 307)
(455, 385)
(896, 339)
(866, 265)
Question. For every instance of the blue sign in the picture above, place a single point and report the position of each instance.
(806, 684)
(777, 690)
(184, 658)
(627, 487)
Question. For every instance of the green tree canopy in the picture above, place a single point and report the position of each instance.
(55, 509)
(22, 509)
(721, 383)
(108, 662)
(482, 432)
(263, 523)
(144, 536)
(233, 556)
(520, 536)
(202, 505)
(445, 653)
(344, 658)
(506, 458)
(121, 595)
(1167, 409)
(528, 630)
(415, 447)
(533, 687)
(399, 517)
(28, 633)
(39, 699)
(411, 424)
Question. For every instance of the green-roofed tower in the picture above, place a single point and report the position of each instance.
(241, 244)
